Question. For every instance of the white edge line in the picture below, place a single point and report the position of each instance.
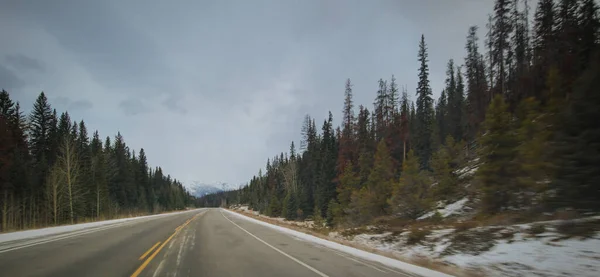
(410, 268)
(65, 236)
(384, 267)
(276, 249)
(360, 262)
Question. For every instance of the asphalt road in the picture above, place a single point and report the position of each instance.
(206, 242)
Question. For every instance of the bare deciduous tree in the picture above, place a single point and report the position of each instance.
(68, 168)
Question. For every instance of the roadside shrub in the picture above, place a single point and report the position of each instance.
(583, 229)
(415, 236)
(464, 226)
(536, 229)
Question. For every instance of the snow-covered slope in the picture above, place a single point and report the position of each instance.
(199, 189)
(516, 250)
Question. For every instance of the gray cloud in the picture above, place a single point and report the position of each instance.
(172, 103)
(210, 89)
(8, 79)
(80, 105)
(22, 62)
(133, 106)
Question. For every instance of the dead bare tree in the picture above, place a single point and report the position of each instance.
(290, 175)
(54, 192)
(68, 168)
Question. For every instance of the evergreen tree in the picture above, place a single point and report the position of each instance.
(502, 27)
(380, 110)
(381, 179)
(476, 83)
(441, 120)
(498, 151)
(409, 195)
(577, 142)
(544, 44)
(347, 145)
(424, 112)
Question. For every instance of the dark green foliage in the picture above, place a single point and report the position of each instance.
(409, 196)
(110, 181)
(526, 115)
(498, 151)
(444, 164)
(424, 113)
(578, 144)
(275, 208)
(290, 206)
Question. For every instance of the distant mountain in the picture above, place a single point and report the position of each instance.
(199, 189)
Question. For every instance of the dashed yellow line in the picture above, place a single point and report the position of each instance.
(147, 261)
(148, 252)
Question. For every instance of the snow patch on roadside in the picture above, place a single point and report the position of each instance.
(347, 249)
(29, 234)
(448, 210)
(508, 251)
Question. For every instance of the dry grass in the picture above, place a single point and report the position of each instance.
(578, 229)
(417, 235)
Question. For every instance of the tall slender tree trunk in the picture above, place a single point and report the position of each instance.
(97, 201)
(4, 226)
(403, 151)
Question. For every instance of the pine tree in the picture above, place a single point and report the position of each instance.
(404, 124)
(444, 163)
(409, 195)
(589, 27)
(452, 108)
(455, 91)
(349, 182)
(441, 120)
(347, 140)
(424, 112)
(380, 110)
(544, 44)
(534, 152)
(380, 179)
(577, 157)
(500, 40)
(326, 186)
(498, 150)
(392, 103)
(567, 43)
(460, 107)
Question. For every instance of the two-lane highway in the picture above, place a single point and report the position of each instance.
(205, 242)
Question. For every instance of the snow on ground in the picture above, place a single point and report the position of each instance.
(468, 170)
(448, 210)
(347, 249)
(537, 257)
(305, 224)
(29, 234)
(517, 254)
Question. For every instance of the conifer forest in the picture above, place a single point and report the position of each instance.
(522, 107)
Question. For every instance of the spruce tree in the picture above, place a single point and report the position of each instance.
(424, 112)
(409, 195)
(498, 150)
(578, 147)
(381, 179)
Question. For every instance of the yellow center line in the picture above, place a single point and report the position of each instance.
(145, 264)
(148, 252)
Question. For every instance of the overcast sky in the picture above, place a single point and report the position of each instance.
(211, 89)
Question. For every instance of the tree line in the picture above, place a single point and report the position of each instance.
(524, 109)
(52, 172)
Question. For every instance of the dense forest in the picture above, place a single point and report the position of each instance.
(52, 172)
(525, 109)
